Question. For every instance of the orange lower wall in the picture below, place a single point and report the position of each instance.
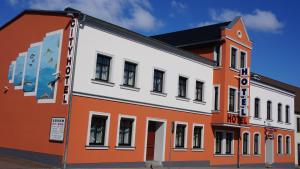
(79, 128)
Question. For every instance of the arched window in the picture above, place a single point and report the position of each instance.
(287, 114)
(256, 144)
(288, 145)
(279, 144)
(256, 107)
(246, 143)
(269, 110)
(279, 112)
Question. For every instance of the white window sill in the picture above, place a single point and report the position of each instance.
(230, 112)
(218, 67)
(92, 147)
(158, 94)
(199, 102)
(288, 123)
(130, 88)
(124, 148)
(223, 155)
(215, 111)
(180, 149)
(197, 149)
(182, 99)
(246, 155)
(234, 69)
(257, 155)
(102, 83)
(269, 120)
(257, 118)
(280, 122)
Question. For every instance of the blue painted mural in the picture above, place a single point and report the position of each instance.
(32, 61)
(19, 70)
(11, 71)
(49, 66)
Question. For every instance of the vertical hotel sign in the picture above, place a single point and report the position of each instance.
(70, 60)
(244, 91)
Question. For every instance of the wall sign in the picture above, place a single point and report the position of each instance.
(234, 118)
(69, 66)
(244, 91)
(57, 129)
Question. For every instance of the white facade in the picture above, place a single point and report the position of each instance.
(147, 58)
(268, 93)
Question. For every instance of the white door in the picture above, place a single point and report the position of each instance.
(269, 151)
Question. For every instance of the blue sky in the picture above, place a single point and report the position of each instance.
(273, 26)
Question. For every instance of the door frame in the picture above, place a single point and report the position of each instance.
(273, 140)
(164, 122)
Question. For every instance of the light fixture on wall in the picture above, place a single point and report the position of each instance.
(5, 89)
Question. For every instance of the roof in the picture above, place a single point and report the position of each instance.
(100, 24)
(200, 35)
(280, 85)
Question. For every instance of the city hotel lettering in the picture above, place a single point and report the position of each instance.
(244, 87)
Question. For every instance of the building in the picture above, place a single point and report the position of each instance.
(81, 92)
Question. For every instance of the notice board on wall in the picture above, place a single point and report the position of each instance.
(57, 129)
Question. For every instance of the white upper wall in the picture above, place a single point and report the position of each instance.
(92, 40)
(275, 95)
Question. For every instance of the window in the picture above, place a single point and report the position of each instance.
(182, 87)
(158, 81)
(246, 144)
(269, 109)
(216, 98)
(217, 55)
(232, 99)
(298, 124)
(199, 91)
(287, 114)
(243, 60)
(98, 129)
(233, 58)
(229, 139)
(102, 67)
(256, 144)
(197, 137)
(279, 112)
(279, 144)
(129, 74)
(223, 139)
(219, 138)
(180, 136)
(287, 145)
(126, 131)
(256, 107)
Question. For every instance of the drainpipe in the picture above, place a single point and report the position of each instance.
(70, 95)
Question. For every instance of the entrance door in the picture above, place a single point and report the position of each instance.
(151, 141)
(269, 151)
(298, 148)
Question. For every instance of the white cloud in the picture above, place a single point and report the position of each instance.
(177, 5)
(13, 2)
(258, 20)
(132, 14)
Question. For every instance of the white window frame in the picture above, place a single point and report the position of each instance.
(236, 59)
(259, 143)
(223, 143)
(236, 99)
(202, 136)
(215, 55)
(132, 146)
(282, 139)
(185, 135)
(249, 143)
(164, 79)
(187, 87)
(203, 90)
(107, 126)
(259, 108)
(137, 72)
(110, 75)
(246, 57)
(290, 144)
(282, 120)
(218, 86)
(289, 114)
(271, 111)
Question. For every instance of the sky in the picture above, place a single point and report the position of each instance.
(273, 26)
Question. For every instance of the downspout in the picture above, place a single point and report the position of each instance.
(70, 95)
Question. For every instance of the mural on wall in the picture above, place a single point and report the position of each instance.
(49, 67)
(11, 72)
(31, 70)
(19, 70)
